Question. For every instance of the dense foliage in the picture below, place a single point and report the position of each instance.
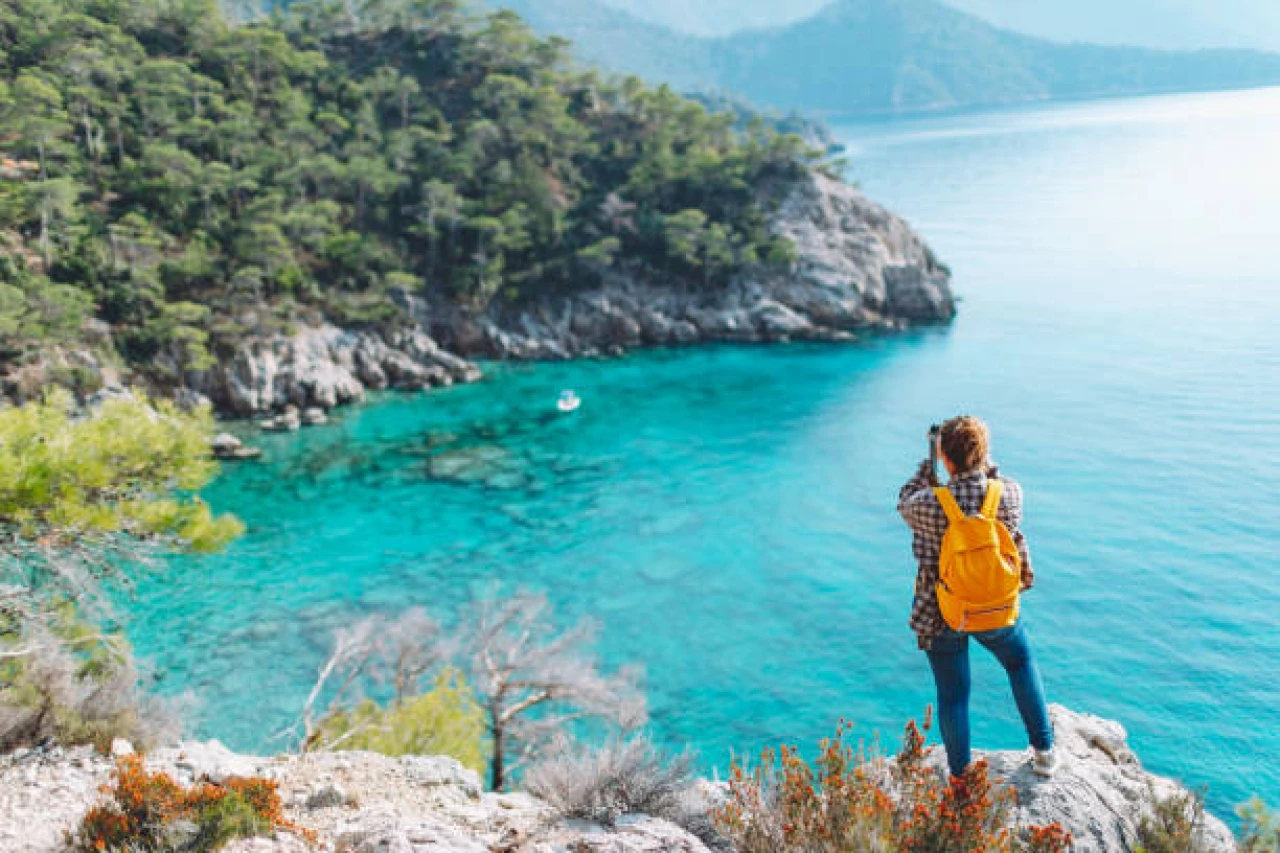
(67, 681)
(128, 467)
(186, 179)
(444, 720)
(86, 499)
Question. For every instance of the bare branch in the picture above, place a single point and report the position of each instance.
(519, 662)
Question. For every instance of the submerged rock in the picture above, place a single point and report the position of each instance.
(492, 466)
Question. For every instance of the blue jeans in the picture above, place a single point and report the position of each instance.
(949, 659)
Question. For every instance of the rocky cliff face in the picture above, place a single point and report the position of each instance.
(861, 267)
(325, 367)
(365, 803)
(1100, 791)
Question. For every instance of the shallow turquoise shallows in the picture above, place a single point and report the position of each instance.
(728, 513)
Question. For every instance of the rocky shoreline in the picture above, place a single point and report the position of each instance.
(324, 367)
(861, 268)
(366, 803)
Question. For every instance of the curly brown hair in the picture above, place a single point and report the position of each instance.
(966, 443)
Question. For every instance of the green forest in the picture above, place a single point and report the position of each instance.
(171, 180)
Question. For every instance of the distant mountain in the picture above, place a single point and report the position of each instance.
(1169, 24)
(719, 17)
(615, 40)
(1177, 24)
(878, 56)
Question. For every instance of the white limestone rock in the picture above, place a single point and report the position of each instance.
(366, 803)
(323, 367)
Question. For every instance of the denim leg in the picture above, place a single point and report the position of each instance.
(1012, 649)
(949, 659)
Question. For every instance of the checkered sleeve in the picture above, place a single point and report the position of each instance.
(1011, 515)
(921, 511)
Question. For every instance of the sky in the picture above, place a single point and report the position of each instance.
(1150, 23)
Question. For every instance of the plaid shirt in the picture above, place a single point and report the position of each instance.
(924, 515)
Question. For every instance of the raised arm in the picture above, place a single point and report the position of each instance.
(916, 502)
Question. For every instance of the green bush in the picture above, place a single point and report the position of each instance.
(445, 720)
(223, 819)
(88, 497)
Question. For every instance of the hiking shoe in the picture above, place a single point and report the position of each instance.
(1044, 763)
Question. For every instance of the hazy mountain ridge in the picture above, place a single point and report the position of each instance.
(876, 56)
(1172, 24)
(1169, 24)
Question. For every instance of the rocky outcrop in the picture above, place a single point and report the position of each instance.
(366, 803)
(355, 802)
(324, 366)
(1100, 791)
(860, 267)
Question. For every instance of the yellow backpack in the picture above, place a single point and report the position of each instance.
(979, 571)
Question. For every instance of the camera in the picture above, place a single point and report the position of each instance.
(935, 432)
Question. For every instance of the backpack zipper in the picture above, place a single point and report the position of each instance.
(968, 613)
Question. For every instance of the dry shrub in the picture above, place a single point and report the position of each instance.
(1173, 825)
(62, 679)
(150, 811)
(625, 776)
(847, 800)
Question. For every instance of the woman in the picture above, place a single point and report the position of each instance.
(964, 447)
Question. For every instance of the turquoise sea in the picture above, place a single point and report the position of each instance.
(727, 513)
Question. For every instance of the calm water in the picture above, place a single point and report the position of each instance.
(728, 512)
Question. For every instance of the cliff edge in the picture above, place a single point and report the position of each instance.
(366, 803)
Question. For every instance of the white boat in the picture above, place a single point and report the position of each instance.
(568, 402)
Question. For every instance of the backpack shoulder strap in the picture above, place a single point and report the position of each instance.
(991, 504)
(949, 505)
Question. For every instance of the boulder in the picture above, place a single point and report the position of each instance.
(227, 446)
(314, 416)
(1100, 790)
(325, 367)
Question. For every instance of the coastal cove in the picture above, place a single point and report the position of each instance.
(727, 512)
